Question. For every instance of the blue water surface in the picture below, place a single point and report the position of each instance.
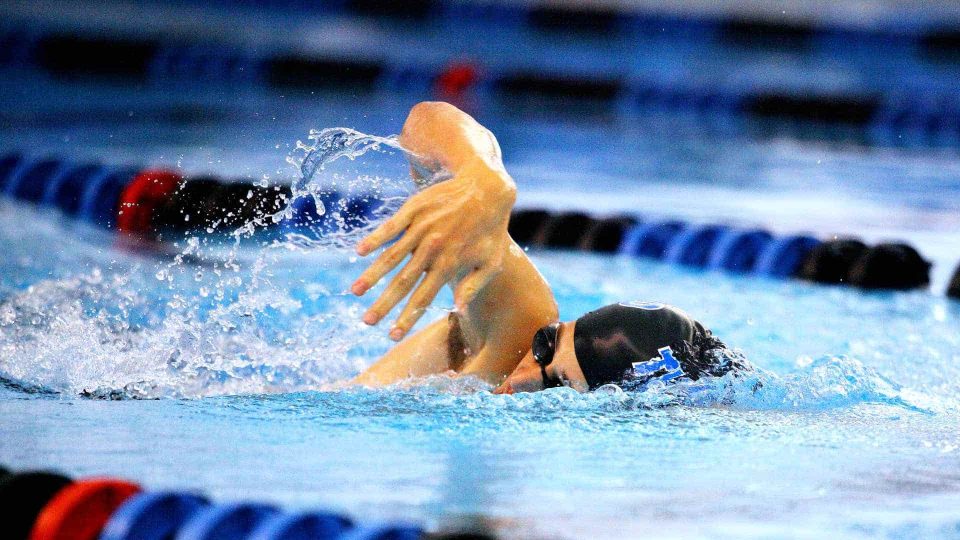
(853, 431)
(849, 427)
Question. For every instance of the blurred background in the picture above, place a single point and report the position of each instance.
(744, 141)
(833, 118)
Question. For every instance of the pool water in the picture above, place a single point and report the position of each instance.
(852, 431)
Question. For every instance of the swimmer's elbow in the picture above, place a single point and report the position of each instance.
(428, 112)
(431, 108)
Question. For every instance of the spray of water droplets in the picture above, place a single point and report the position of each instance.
(259, 308)
(262, 307)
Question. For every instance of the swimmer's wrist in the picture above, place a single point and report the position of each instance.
(490, 182)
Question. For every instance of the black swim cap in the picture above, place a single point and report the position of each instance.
(643, 341)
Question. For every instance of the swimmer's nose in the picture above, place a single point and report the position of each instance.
(504, 388)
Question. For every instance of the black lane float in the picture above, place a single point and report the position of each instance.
(158, 204)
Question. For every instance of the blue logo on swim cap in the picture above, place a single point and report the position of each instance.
(666, 362)
(649, 306)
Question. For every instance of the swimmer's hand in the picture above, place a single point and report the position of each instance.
(452, 230)
(455, 230)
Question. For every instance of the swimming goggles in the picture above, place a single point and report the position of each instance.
(544, 347)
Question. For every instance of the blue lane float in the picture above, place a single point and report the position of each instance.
(693, 246)
(88, 191)
(225, 522)
(302, 526)
(783, 256)
(650, 240)
(385, 532)
(152, 516)
(100, 200)
(92, 192)
(31, 183)
(8, 167)
(738, 251)
(28, 172)
(64, 192)
(751, 251)
(68, 195)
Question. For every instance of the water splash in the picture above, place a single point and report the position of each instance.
(331, 207)
(327, 146)
(831, 382)
(224, 319)
(99, 337)
(218, 318)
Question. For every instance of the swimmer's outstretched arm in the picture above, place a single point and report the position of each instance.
(454, 230)
(456, 233)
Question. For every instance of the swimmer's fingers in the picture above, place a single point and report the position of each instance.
(402, 283)
(419, 301)
(387, 261)
(473, 283)
(389, 229)
(392, 227)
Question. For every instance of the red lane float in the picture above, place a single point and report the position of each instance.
(141, 197)
(456, 79)
(80, 510)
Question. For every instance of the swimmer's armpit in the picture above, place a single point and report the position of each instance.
(454, 230)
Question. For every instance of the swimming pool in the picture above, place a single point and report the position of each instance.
(853, 431)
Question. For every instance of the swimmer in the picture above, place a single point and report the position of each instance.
(505, 328)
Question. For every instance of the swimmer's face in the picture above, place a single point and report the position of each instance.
(528, 377)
